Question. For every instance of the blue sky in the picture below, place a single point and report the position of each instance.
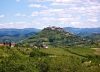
(42, 13)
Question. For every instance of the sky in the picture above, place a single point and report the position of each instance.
(43, 13)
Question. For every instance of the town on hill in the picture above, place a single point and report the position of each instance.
(57, 37)
(53, 49)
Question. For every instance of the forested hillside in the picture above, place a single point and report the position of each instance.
(17, 38)
(94, 36)
(56, 36)
(12, 31)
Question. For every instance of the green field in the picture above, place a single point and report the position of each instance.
(69, 51)
(55, 51)
(82, 51)
(49, 60)
(86, 54)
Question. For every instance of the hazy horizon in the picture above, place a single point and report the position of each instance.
(48, 26)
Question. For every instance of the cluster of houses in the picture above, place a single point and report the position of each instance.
(59, 29)
(12, 44)
(56, 28)
(42, 46)
(8, 44)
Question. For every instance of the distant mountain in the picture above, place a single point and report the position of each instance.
(80, 30)
(17, 38)
(12, 31)
(56, 36)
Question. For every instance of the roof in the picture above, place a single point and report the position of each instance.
(1, 44)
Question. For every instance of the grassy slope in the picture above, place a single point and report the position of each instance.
(63, 51)
(22, 57)
(55, 51)
(82, 51)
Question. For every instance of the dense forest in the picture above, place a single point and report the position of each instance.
(17, 38)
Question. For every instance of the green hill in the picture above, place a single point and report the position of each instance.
(17, 38)
(94, 36)
(56, 36)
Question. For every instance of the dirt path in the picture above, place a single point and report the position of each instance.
(97, 51)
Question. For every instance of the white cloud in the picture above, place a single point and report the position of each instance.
(44, 22)
(17, 0)
(34, 14)
(74, 13)
(54, 1)
(39, 0)
(91, 1)
(57, 21)
(88, 8)
(55, 11)
(19, 25)
(62, 4)
(92, 20)
(1, 16)
(34, 5)
(62, 0)
(65, 2)
(37, 6)
(19, 15)
(76, 23)
(47, 12)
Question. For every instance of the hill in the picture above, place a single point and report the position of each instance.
(86, 34)
(95, 37)
(80, 30)
(92, 35)
(12, 31)
(56, 36)
(16, 35)
(17, 38)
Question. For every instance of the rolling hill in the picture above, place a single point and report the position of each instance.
(90, 35)
(17, 35)
(82, 30)
(94, 36)
(12, 31)
(56, 36)
(17, 38)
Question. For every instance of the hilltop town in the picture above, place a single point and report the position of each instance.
(56, 28)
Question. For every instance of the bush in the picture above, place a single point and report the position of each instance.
(37, 53)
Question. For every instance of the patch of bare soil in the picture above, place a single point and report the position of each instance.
(97, 51)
